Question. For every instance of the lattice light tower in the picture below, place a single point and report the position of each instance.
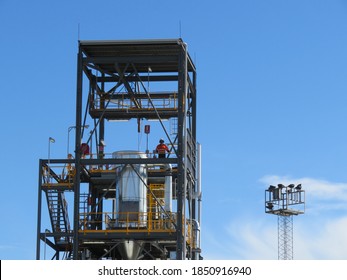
(285, 202)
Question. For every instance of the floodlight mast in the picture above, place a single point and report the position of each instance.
(285, 202)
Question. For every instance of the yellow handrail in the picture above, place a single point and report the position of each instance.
(127, 222)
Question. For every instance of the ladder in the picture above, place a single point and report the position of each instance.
(84, 211)
(173, 126)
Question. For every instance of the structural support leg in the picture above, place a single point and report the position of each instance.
(77, 180)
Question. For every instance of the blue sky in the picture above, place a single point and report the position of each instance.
(271, 109)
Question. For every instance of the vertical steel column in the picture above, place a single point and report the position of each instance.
(77, 154)
(182, 149)
(199, 194)
(39, 209)
(102, 120)
(196, 164)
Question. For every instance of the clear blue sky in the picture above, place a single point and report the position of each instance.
(272, 108)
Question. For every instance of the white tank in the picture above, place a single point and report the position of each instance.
(131, 190)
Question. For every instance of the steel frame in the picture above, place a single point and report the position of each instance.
(121, 64)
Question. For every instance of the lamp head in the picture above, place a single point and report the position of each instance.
(269, 206)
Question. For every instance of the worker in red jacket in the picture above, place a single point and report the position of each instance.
(161, 149)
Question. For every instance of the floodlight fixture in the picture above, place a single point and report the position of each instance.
(285, 202)
(269, 206)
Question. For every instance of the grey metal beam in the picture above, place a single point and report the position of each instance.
(151, 78)
(153, 59)
(156, 95)
(181, 175)
(171, 41)
(90, 76)
(113, 236)
(131, 114)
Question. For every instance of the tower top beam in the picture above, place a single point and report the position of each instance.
(158, 55)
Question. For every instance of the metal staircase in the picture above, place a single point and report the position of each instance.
(58, 213)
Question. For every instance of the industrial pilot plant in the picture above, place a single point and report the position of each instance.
(126, 203)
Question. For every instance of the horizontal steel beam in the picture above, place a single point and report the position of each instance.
(114, 161)
(157, 95)
(164, 78)
(148, 59)
(108, 235)
(55, 234)
(124, 114)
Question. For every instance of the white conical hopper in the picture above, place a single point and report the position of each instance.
(130, 250)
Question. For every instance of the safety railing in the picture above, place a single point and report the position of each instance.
(124, 102)
(62, 175)
(127, 222)
(58, 175)
(132, 222)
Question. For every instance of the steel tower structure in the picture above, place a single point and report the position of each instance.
(285, 202)
(285, 237)
(128, 204)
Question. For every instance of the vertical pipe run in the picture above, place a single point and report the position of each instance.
(193, 131)
(199, 188)
(168, 189)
